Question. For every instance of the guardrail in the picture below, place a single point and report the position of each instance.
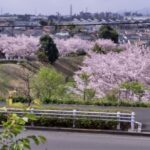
(75, 115)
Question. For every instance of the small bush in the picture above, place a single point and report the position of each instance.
(2, 99)
(2, 118)
(118, 50)
(80, 123)
(107, 101)
(134, 86)
(99, 49)
(77, 53)
(44, 121)
(20, 99)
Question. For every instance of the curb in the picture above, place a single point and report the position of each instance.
(92, 131)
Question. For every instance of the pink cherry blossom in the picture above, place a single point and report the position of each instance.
(19, 46)
(110, 70)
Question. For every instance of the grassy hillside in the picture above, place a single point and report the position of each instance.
(68, 65)
(10, 77)
(12, 74)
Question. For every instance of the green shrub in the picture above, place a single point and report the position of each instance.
(99, 49)
(2, 118)
(107, 101)
(50, 101)
(107, 32)
(80, 123)
(48, 83)
(20, 99)
(134, 86)
(118, 50)
(45, 121)
(42, 56)
(2, 99)
(77, 53)
(89, 94)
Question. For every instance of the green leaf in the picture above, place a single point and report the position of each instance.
(31, 117)
(4, 147)
(35, 139)
(42, 139)
(26, 143)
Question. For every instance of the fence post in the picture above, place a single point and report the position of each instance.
(139, 127)
(118, 119)
(132, 121)
(74, 118)
(32, 112)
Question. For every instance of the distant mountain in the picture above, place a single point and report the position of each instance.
(144, 11)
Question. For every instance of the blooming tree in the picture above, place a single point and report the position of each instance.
(19, 46)
(24, 46)
(72, 45)
(108, 71)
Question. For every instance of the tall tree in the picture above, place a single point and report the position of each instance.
(48, 50)
(107, 32)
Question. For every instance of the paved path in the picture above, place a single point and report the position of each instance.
(84, 141)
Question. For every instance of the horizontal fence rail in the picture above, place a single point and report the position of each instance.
(75, 115)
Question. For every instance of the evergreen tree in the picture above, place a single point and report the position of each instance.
(48, 50)
(107, 32)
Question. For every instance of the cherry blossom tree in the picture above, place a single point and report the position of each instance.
(18, 47)
(24, 46)
(105, 71)
(72, 45)
(108, 71)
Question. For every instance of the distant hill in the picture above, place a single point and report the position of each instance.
(144, 11)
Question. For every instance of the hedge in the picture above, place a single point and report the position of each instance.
(80, 123)
(44, 121)
(99, 102)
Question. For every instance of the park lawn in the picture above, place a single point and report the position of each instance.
(68, 65)
(10, 78)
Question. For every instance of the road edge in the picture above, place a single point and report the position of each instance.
(92, 131)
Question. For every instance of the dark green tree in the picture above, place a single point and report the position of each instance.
(107, 32)
(48, 50)
(43, 22)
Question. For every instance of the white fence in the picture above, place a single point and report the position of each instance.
(75, 115)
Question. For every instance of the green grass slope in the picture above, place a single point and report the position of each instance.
(11, 73)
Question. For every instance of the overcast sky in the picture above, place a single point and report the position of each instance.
(52, 6)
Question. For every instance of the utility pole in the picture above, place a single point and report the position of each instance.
(1, 11)
(71, 10)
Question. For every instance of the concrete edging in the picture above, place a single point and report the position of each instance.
(92, 131)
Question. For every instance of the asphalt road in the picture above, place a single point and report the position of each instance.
(84, 141)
